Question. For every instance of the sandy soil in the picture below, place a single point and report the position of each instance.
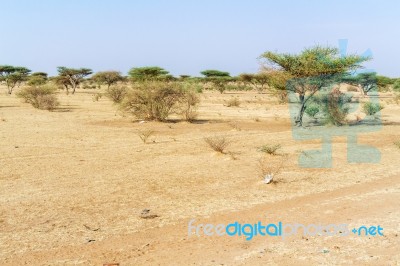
(74, 182)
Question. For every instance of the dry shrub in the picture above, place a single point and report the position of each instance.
(40, 97)
(233, 102)
(117, 93)
(145, 134)
(96, 97)
(217, 143)
(152, 100)
(271, 166)
(189, 103)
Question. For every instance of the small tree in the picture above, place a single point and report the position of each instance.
(148, 73)
(312, 70)
(258, 80)
(71, 77)
(107, 78)
(218, 78)
(366, 81)
(13, 76)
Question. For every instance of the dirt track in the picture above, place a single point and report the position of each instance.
(82, 174)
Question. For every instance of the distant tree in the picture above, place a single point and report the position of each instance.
(218, 78)
(37, 79)
(312, 70)
(71, 77)
(148, 73)
(13, 76)
(396, 85)
(183, 77)
(214, 73)
(384, 83)
(258, 80)
(107, 78)
(366, 81)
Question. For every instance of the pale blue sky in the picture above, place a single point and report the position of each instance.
(186, 37)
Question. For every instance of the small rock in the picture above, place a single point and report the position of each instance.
(145, 214)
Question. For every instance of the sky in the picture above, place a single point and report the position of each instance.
(186, 37)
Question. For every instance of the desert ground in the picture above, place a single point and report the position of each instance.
(73, 184)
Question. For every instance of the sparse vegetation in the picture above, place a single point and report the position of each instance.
(233, 102)
(117, 93)
(270, 167)
(270, 149)
(397, 143)
(217, 143)
(145, 134)
(40, 97)
(312, 110)
(370, 108)
(153, 100)
(190, 101)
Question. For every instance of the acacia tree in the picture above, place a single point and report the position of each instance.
(259, 80)
(148, 73)
(13, 76)
(107, 78)
(366, 81)
(218, 78)
(312, 70)
(71, 77)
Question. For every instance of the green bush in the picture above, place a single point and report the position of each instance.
(333, 106)
(371, 108)
(312, 110)
(40, 97)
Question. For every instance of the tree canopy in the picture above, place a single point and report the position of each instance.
(71, 77)
(148, 73)
(107, 77)
(13, 76)
(313, 69)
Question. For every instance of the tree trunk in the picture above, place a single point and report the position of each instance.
(299, 119)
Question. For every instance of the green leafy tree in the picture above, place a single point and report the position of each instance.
(71, 77)
(384, 83)
(13, 76)
(312, 70)
(219, 79)
(258, 80)
(367, 81)
(107, 78)
(148, 73)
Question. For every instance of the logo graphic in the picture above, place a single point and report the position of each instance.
(337, 104)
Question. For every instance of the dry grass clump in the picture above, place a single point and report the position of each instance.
(233, 102)
(270, 148)
(217, 143)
